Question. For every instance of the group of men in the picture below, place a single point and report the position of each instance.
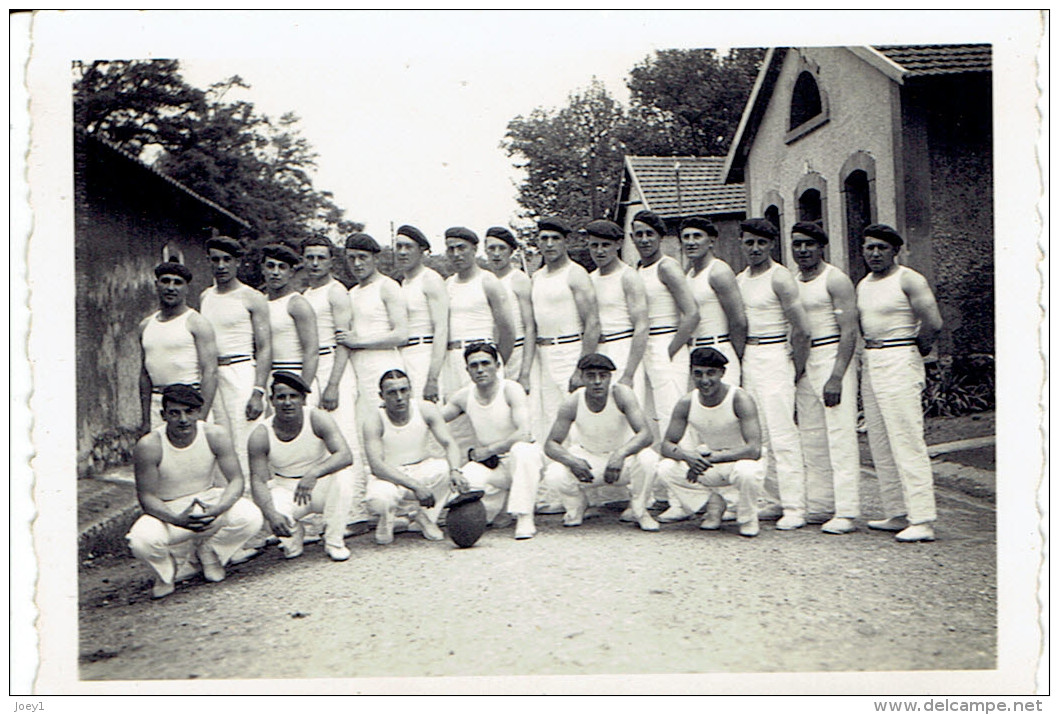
(543, 391)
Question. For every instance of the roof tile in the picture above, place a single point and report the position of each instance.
(686, 185)
(923, 60)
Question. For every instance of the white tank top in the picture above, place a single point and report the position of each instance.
(764, 312)
(885, 312)
(230, 319)
(169, 351)
(470, 317)
(286, 348)
(294, 458)
(492, 422)
(508, 282)
(185, 470)
(661, 307)
(554, 307)
(409, 443)
(716, 427)
(601, 432)
(419, 323)
(819, 308)
(370, 316)
(320, 300)
(610, 298)
(713, 321)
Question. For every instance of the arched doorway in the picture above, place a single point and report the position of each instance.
(858, 215)
(772, 213)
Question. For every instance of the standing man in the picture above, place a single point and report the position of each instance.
(773, 361)
(240, 319)
(405, 478)
(295, 341)
(611, 441)
(500, 245)
(723, 421)
(672, 316)
(826, 393)
(295, 462)
(178, 346)
(503, 462)
(184, 513)
(428, 313)
(900, 321)
(479, 310)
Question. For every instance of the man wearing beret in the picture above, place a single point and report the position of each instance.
(610, 444)
(428, 313)
(185, 515)
(296, 459)
(773, 361)
(826, 393)
(479, 309)
(724, 423)
(178, 346)
(295, 341)
(240, 319)
(900, 321)
(500, 245)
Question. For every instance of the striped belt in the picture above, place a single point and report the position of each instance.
(327, 350)
(457, 344)
(284, 476)
(829, 340)
(158, 390)
(765, 339)
(224, 360)
(612, 337)
(888, 343)
(561, 340)
(662, 330)
(709, 340)
(286, 366)
(420, 340)
(519, 342)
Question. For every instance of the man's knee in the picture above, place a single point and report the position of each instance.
(148, 536)
(558, 477)
(381, 497)
(244, 514)
(748, 472)
(526, 452)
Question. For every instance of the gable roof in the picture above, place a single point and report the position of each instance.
(673, 186)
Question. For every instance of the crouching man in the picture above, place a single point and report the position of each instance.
(298, 463)
(610, 446)
(724, 423)
(405, 480)
(184, 514)
(503, 462)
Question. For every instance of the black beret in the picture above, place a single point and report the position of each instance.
(462, 232)
(595, 361)
(281, 252)
(415, 234)
(503, 234)
(886, 233)
(362, 242)
(760, 227)
(291, 380)
(708, 357)
(701, 223)
(171, 268)
(811, 229)
(605, 229)
(225, 243)
(182, 394)
(653, 220)
(553, 223)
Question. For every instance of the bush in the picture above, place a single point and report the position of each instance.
(959, 386)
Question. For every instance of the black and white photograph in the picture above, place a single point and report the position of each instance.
(530, 352)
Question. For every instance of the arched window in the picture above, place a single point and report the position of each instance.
(805, 102)
(858, 216)
(772, 213)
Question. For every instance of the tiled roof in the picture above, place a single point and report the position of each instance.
(923, 60)
(699, 190)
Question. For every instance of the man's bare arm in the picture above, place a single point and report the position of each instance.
(722, 280)
(676, 283)
(787, 291)
(845, 305)
(305, 323)
(925, 308)
(636, 300)
(438, 305)
(496, 296)
(206, 348)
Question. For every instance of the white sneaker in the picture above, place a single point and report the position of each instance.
(212, 570)
(524, 527)
(770, 512)
(648, 523)
(712, 522)
(627, 516)
(674, 513)
(916, 532)
(431, 531)
(337, 553)
(575, 517)
(750, 528)
(839, 525)
(161, 589)
(384, 529)
(894, 523)
(790, 521)
(294, 546)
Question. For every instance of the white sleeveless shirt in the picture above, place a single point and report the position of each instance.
(601, 432)
(554, 307)
(294, 458)
(185, 465)
(612, 302)
(370, 316)
(764, 312)
(717, 426)
(320, 300)
(885, 312)
(662, 309)
(508, 282)
(470, 317)
(286, 348)
(819, 307)
(713, 321)
(408, 443)
(419, 323)
(169, 351)
(230, 319)
(494, 421)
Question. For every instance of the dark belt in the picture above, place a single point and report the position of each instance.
(328, 350)
(224, 360)
(519, 342)
(613, 337)
(286, 366)
(709, 340)
(765, 339)
(662, 330)
(888, 343)
(457, 344)
(284, 476)
(561, 340)
(423, 339)
(829, 340)
(158, 390)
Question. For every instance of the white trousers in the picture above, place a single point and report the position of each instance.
(666, 379)
(417, 364)
(555, 365)
(164, 546)
(382, 496)
(618, 352)
(637, 476)
(892, 383)
(747, 475)
(829, 437)
(332, 496)
(513, 367)
(235, 386)
(369, 366)
(515, 481)
(354, 478)
(768, 375)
